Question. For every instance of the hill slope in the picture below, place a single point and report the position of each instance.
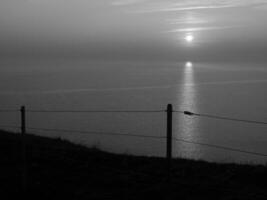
(58, 169)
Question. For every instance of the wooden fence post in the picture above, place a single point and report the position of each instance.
(23, 148)
(169, 138)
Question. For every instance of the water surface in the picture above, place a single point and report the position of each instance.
(236, 90)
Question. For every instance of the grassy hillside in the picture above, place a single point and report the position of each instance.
(58, 169)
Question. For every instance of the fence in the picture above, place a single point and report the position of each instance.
(169, 136)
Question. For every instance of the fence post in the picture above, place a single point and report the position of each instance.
(169, 138)
(23, 148)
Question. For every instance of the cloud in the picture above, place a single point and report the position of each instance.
(195, 29)
(179, 8)
(186, 21)
(150, 6)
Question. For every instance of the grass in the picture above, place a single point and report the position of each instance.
(58, 169)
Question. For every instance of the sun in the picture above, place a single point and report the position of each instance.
(189, 38)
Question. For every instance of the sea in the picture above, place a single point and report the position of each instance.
(232, 90)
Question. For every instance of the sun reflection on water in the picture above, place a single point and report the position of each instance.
(185, 126)
(188, 64)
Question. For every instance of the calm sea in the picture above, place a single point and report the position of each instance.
(234, 90)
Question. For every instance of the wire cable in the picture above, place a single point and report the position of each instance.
(95, 111)
(96, 133)
(8, 111)
(221, 117)
(221, 147)
(149, 136)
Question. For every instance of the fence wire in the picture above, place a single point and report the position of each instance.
(97, 133)
(220, 147)
(8, 111)
(188, 113)
(96, 111)
(221, 117)
(154, 137)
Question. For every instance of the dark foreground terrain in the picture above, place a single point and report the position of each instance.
(58, 169)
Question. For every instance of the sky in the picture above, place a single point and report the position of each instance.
(172, 30)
